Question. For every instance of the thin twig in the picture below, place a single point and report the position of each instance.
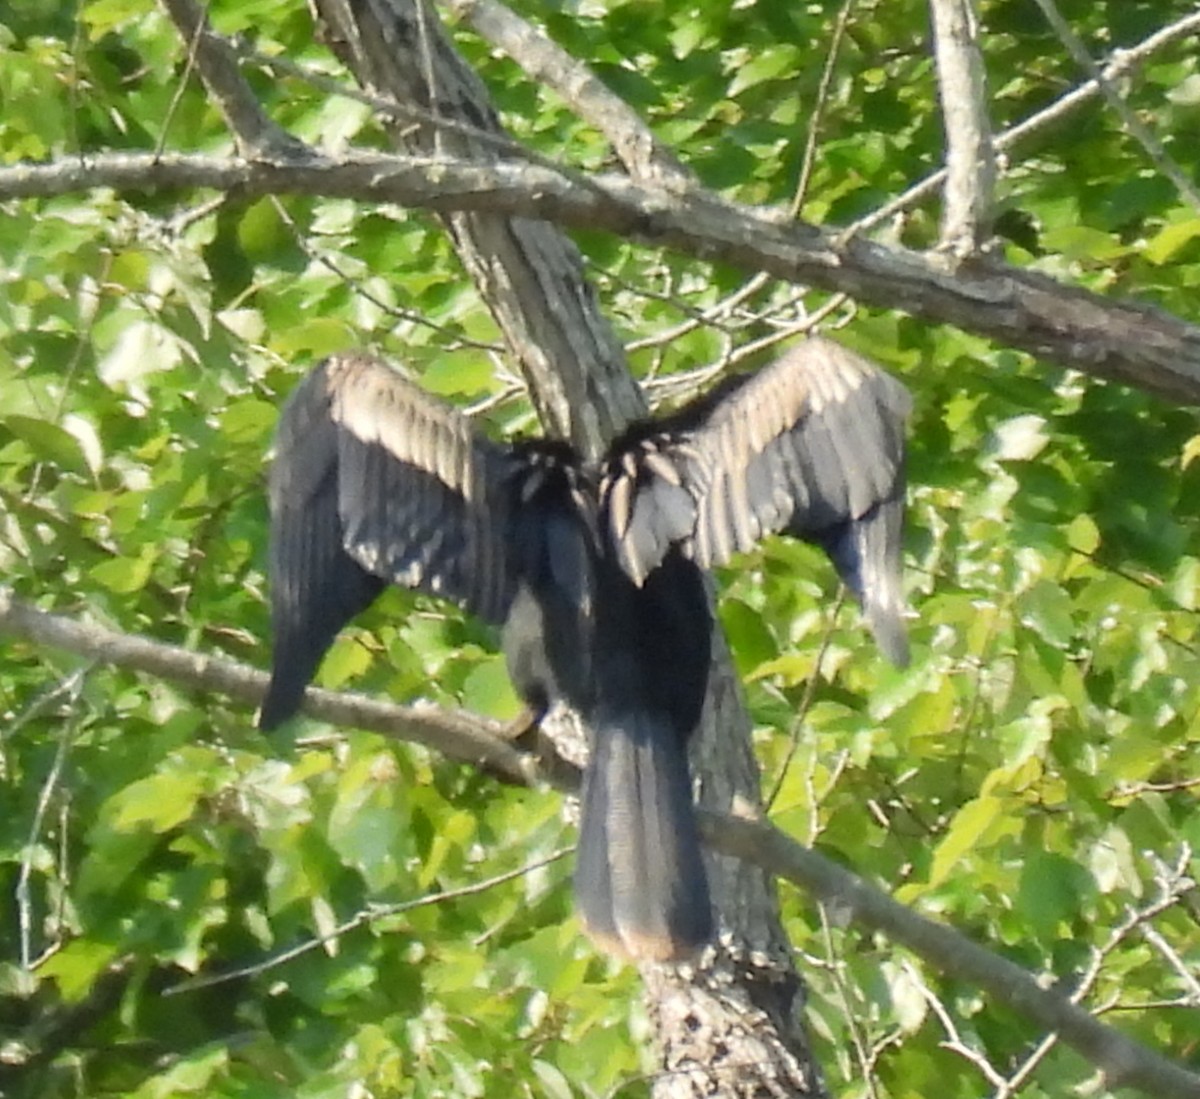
(953, 1041)
(361, 919)
(807, 699)
(453, 341)
(1138, 130)
(1121, 62)
(647, 159)
(71, 686)
(809, 156)
(257, 134)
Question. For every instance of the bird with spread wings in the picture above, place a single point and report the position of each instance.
(594, 571)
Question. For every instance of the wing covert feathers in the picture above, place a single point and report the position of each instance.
(812, 444)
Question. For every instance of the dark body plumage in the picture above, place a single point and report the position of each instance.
(594, 573)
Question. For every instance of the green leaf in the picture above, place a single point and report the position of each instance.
(451, 375)
(488, 690)
(554, 1084)
(193, 1074)
(750, 640)
(1166, 244)
(971, 823)
(248, 420)
(767, 65)
(1052, 892)
(125, 575)
(48, 442)
(141, 349)
(1047, 608)
(76, 967)
(364, 825)
(159, 802)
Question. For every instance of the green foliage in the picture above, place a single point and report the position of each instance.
(1023, 779)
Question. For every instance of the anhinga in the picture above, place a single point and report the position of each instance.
(593, 571)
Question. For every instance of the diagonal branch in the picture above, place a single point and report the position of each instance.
(464, 737)
(474, 740)
(256, 132)
(1124, 1062)
(646, 159)
(1134, 344)
(1140, 132)
(1120, 63)
(529, 275)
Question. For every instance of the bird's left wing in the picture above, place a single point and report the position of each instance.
(375, 481)
(812, 444)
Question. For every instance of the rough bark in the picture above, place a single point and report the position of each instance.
(527, 272)
(475, 740)
(729, 1025)
(1123, 341)
(970, 159)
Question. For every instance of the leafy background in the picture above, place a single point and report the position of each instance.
(1027, 779)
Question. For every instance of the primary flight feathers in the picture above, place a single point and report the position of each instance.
(593, 569)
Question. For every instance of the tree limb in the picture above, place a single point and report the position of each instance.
(1130, 343)
(256, 132)
(464, 737)
(1120, 63)
(1140, 132)
(646, 159)
(529, 275)
(1125, 1063)
(970, 158)
(474, 740)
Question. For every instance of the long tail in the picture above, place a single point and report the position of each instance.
(639, 878)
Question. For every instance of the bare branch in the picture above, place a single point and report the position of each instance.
(814, 118)
(255, 131)
(970, 159)
(1140, 132)
(473, 740)
(954, 1041)
(1121, 62)
(70, 685)
(1125, 342)
(363, 918)
(460, 736)
(1125, 1063)
(646, 158)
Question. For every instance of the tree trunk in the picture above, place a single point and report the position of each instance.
(731, 1024)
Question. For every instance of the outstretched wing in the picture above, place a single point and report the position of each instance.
(374, 481)
(812, 445)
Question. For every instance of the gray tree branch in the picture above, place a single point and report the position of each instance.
(474, 740)
(970, 159)
(465, 737)
(1119, 64)
(1140, 132)
(645, 158)
(530, 276)
(1126, 342)
(255, 131)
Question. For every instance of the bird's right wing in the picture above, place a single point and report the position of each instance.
(374, 481)
(812, 445)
